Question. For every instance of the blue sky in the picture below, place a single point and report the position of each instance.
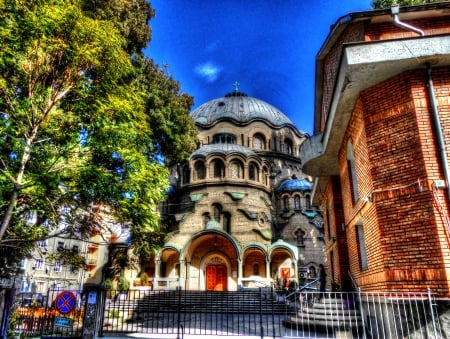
(267, 46)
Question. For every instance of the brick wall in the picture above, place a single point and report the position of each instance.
(395, 150)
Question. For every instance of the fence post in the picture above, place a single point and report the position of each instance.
(179, 325)
(361, 310)
(430, 301)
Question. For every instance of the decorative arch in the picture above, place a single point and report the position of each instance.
(232, 240)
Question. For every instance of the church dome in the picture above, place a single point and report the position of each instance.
(294, 185)
(238, 107)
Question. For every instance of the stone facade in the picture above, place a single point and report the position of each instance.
(239, 210)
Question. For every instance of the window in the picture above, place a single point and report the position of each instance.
(43, 243)
(39, 264)
(288, 147)
(226, 222)
(362, 247)
(308, 201)
(300, 236)
(253, 172)
(217, 210)
(200, 170)
(60, 246)
(75, 249)
(224, 138)
(328, 219)
(206, 219)
(297, 204)
(217, 169)
(235, 170)
(57, 267)
(259, 142)
(351, 170)
(286, 203)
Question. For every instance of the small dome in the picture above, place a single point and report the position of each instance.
(293, 185)
(241, 108)
(223, 149)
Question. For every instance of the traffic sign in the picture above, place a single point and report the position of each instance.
(65, 302)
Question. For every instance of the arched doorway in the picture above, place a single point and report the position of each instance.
(211, 262)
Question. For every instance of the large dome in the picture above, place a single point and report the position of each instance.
(238, 107)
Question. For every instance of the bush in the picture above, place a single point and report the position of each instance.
(107, 284)
(144, 279)
(123, 285)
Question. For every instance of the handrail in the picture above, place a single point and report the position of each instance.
(354, 283)
(301, 288)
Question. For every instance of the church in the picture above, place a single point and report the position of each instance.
(239, 212)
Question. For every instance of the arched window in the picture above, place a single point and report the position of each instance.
(235, 170)
(297, 204)
(217, 167)
(266, 176)
(226, 222)
(307, 201)
(300, 237)
(259, 142)
(206, 218)
(288, 147)
(217, 211)
(351, 170)
(253, 172)
(200, 170)
(286, 202)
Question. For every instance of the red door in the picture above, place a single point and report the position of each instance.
(216, 278)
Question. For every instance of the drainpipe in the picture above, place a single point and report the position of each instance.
(394, 11)
(437, 122)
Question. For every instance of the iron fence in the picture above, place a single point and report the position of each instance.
(259, 313)
(268, 313)
(35, 315)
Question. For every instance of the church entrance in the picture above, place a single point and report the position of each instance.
(216, 278)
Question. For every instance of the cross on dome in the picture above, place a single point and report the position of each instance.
(236, 86)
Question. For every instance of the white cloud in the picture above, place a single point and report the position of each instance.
(208, 70)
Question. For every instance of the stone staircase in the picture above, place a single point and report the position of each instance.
(333, 314)
(249, 301)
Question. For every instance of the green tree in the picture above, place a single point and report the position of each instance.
(380, 4)
(87, 123)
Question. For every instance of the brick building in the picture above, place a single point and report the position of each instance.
(381, 149)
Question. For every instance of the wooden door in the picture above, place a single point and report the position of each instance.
(216, 278)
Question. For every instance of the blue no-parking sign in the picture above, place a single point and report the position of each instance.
(65, 302)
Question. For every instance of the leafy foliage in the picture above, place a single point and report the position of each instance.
(87, 123)
(380, 4)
